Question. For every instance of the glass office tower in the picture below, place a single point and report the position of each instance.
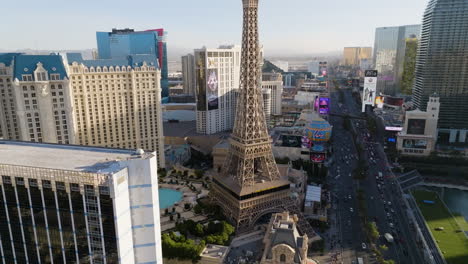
(389, 55)
(123, 42)
(442, 64)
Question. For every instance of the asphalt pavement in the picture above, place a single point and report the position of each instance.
(384, 199)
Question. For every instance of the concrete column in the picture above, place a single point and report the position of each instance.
(46, 224)
(462, 138)
(91, 259)
(1, 251)
(73, 223)
(9, 226)
(104, 257)
(21, 224)
(59, 224)
(453, 135)
(33, 223)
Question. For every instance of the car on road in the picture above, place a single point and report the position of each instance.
(351, 209)
(364, 246)
(391, 225)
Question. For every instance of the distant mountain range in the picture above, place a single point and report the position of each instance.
(87, 53)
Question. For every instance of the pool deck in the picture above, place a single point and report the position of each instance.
(188, 197)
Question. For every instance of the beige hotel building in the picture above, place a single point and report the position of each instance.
(108, 103)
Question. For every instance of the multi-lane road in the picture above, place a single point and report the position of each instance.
(383, 197)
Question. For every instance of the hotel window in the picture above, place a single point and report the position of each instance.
(41, 76)
(27, 78)
(55, 77)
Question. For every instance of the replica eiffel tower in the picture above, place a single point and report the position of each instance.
(250, 185)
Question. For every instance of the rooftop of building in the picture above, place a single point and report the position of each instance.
(392, 117)
(180, 129)
(27, 64)
(214, 251)
(223, 144)
(180, 115)
(125, 31)
(284, 231)
(314, 193)
(7, 58)
(220, 48)
(130, 60)
(65, 157)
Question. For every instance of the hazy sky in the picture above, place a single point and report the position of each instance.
(286, 27)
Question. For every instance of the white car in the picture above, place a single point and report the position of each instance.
(364, 246)
(391, 225)
(351, 209)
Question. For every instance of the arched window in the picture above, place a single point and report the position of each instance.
(283, 258)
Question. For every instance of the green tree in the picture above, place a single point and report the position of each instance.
(409, 66)
(198, 209)
(372, 231)
(162, 173)
(199, 174)
(383, 248)
(199, 230)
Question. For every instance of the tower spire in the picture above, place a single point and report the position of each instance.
(250, 158)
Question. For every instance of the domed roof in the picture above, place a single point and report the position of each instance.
(318, 130)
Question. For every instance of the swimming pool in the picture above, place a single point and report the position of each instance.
(168, 197)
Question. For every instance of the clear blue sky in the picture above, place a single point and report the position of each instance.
(287, 27)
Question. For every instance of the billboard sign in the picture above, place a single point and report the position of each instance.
(316, 103)
(415, 143)
(306, 142)
(379, 101)
(390, 128)
(201, 80)
(416, 126)
(318, 157)
(212, 89)
(324, 105)
(323, 68)
(370, 88)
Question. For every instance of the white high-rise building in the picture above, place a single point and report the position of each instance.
(217, 83)
(77, 204)
(266, 95)
(313, 67)
(35, 99)
(188, 74)
(274, 83)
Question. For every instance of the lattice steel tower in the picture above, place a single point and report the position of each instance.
(249, 184)
(250, 157)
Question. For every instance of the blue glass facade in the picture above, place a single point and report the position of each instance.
(442, 63)
(389, 55)
(121, 43)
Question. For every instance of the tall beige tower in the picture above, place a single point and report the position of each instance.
(250, 185)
